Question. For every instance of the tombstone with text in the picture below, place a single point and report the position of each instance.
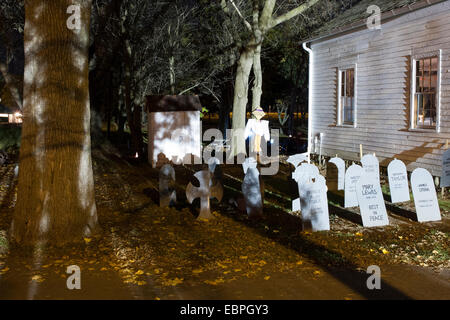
(445, 178)
(398, 181)
(314, 203)
(301, 175)
(352, 176)
(371, 202)
(425, 198)
(371, 165)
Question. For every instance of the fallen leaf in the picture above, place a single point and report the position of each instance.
(37, 278)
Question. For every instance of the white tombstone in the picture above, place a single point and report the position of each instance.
(371, 201)
(313, 195)
(296, 159)
(296, 205)
(445, 177)
(352, 176)
(371, 165)
(398, 181)
(340, 164)
(425, 198)
(249, 163)
(301, 175)
(304, 171)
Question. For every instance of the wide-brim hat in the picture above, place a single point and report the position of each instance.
(258, 113)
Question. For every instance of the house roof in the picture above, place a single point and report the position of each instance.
(355, 17)
(173, 103)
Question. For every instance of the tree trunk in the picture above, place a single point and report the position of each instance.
(55, 200)
(133, 114)
(137, 142)
(172, 74)
(225, 108)
(257, 71)
(240, 99)
(292, 103)
(14, 90)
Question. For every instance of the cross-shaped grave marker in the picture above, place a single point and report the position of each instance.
(204, 192)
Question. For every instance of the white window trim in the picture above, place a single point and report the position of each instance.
(415, 57)
(339, 104)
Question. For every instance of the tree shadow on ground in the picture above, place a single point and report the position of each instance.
(279, 219)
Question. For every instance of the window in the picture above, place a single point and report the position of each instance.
(425, 93)
(346, 113)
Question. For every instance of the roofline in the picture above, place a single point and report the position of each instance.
(385, 16)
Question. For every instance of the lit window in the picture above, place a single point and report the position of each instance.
(347, 97)
(425, 93)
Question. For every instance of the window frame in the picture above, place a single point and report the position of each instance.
(340, 110)
(413, 123)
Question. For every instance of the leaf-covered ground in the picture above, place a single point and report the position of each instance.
(161, 251)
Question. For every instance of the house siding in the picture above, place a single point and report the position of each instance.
(383, 90)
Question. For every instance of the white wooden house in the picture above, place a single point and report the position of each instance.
(386, 89)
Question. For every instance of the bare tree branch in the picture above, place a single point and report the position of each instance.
(249, 27)
(291, 14)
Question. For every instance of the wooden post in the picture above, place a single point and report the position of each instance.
(360, 151)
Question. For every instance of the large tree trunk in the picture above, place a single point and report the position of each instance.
(224, 110)
(133, 114)
(240, 99)
(257, 71)
(56, 188)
